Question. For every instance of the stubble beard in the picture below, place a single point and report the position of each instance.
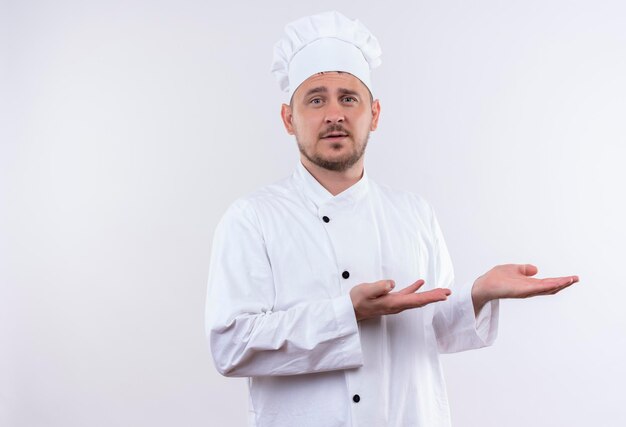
(339, 164)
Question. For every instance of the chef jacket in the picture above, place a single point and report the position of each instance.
(279, 312)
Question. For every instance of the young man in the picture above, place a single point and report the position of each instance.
(302, 288)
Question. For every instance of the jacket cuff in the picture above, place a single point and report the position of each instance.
(487, 321)
(348, 330)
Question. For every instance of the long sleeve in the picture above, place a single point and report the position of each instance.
(248, 336)
(456, 326)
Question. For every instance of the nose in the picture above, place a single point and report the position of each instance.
(334, 113)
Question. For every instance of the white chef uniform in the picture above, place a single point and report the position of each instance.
(278, 308)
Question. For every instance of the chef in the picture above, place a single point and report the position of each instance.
(334, 294)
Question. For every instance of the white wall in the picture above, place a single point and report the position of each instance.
(129, 126)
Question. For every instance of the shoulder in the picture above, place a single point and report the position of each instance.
(247, 207)
(273, 194)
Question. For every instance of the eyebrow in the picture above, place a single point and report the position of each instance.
(319, 89)
(348, 92)
(323, 89)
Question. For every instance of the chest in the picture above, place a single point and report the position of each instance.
(323, 253)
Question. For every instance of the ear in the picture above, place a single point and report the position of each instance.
(287, 115)
(375, 114)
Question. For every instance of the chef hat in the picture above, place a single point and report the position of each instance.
(325, 42)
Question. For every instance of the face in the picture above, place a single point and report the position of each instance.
(331, 116)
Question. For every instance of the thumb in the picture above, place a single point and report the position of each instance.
(528, 269)
(378, 289)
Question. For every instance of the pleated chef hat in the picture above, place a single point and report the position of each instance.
(325, 42)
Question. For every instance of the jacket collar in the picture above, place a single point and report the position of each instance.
(319, 196)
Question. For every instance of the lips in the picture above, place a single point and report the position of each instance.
(335, 135)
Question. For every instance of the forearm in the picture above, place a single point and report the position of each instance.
(459, 328)
(309, 337)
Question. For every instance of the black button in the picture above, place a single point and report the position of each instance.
(345, 274)
(356, 398)
(326, 219)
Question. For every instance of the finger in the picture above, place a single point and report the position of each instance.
(412, 287)
(560, 281)
(556, 291)
(378, 289)
(552, 292)
(573, 280)
(528, 269)
(549, 286)
(421, 299)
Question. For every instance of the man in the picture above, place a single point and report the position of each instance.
(332, 293)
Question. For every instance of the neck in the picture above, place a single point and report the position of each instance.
(334, 181)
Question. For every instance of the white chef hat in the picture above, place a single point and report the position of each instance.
(325, 42)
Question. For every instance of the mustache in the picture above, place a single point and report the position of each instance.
(335, 128)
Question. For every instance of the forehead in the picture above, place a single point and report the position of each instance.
(332, 80)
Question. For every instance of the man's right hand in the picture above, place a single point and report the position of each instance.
(376, 299)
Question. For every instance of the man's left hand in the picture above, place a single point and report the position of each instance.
(514, 281)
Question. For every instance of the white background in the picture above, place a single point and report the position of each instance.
(127, 128)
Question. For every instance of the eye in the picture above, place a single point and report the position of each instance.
(315, 101)
(349, 99)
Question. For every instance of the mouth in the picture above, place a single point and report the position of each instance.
(335, 136)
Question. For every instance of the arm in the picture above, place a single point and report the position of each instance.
(248, 337)
(457, 326)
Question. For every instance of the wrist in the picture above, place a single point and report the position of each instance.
(479, 296)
